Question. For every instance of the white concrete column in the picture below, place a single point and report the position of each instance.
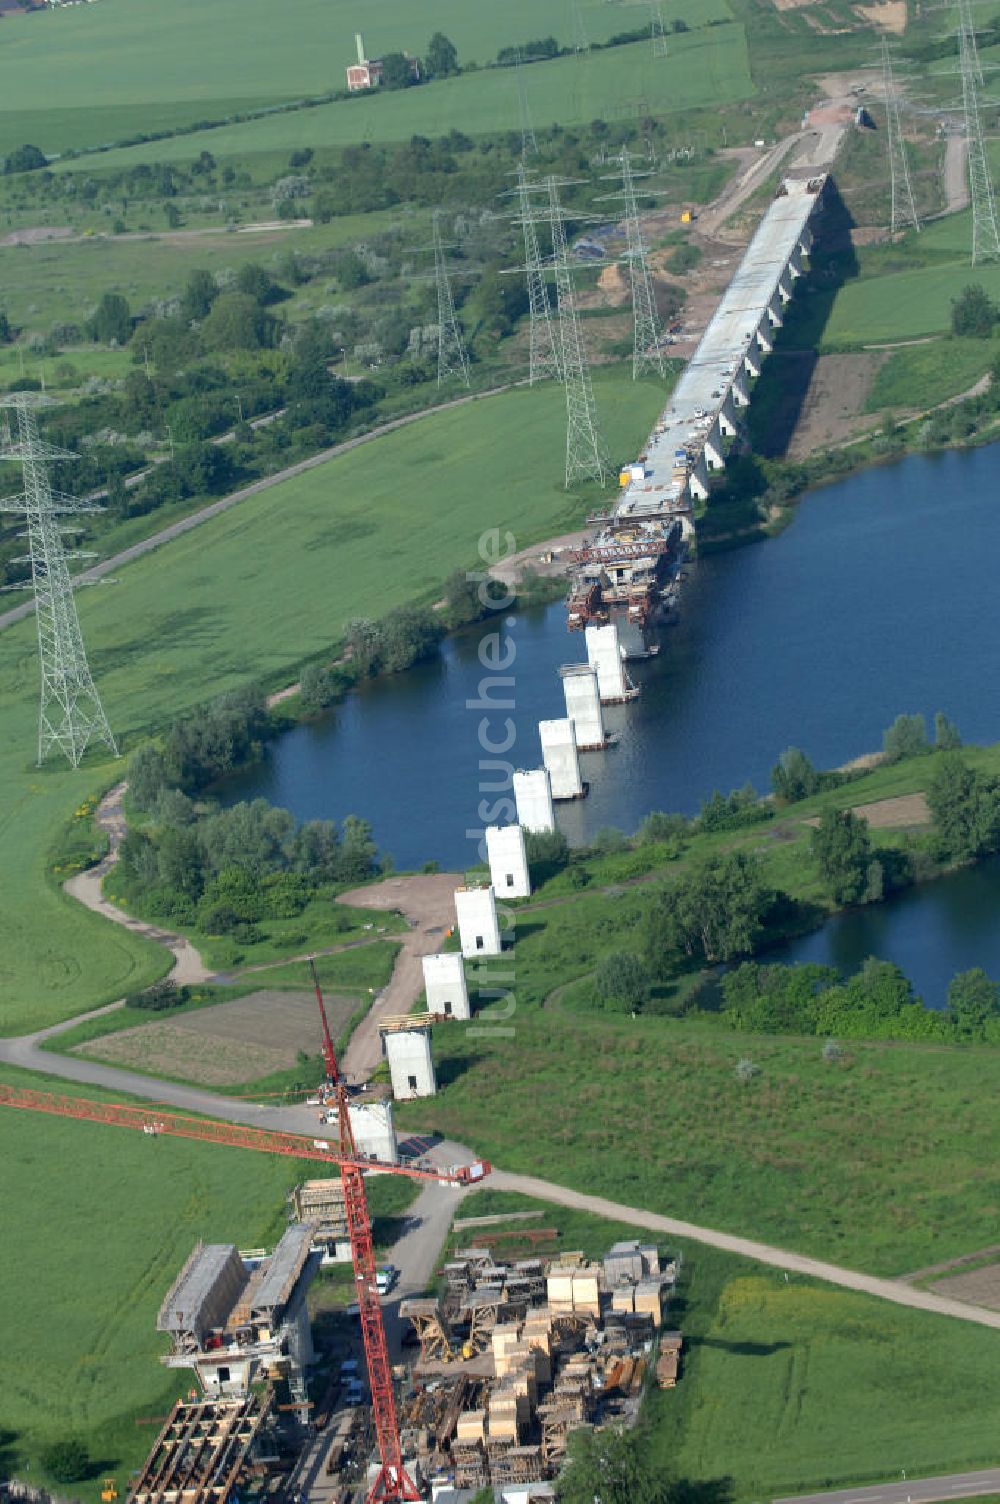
(713, 449)
(785, 287)
(728, 421)
(560, 757)
(604, 652)
(508, 861)
(698, 480)
(445, 985)
(774, 312)
(741, 396)
(583, 704)
(764, 337)
(795, 262)
(478, 927)
(410, 1065)
(533, 797)
(751, 362)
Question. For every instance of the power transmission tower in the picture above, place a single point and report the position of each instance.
(70, 715)
(529, 145)
(452, 359)
(646, 352)
(585, 454)
(581, 42)
(967, 23)
(985, 234)
(901, 205)
(658, 34)
(544, 346)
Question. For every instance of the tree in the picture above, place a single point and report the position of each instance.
(965, 808)
(25, 159)
(906, 737)
(111, 322)
(442, 56)
(66, 1461)
(198, 296)
(973, 999)
(318, 686)
(547, 852)
(947, 737)
(607, 1465)
(236, 322)
(842, 848)
(396, 71)
(793, 776)
(257, 283)
(5, 330)
(715, 912)
(973, 313)
(660, 827)
(622, 981)
(147, 776)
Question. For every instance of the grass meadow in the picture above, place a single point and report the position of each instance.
(708, 64)
(790, 1385)
(922, 374)
(174, 62)
(250, 595)
(119, 1215)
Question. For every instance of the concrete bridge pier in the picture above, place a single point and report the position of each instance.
(764, 341)
(750, 362)
(785, 286)
(774, 312)
(698, 480)
(729, 423)
(738, 390)
(713, 449)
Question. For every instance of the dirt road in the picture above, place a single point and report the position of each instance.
(763, 1253)
(956, 179)
(185, 524)
(188, 967)
(425, 902)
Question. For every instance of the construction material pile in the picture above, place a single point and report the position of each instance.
(516, 1356)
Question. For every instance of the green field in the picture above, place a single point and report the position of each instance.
(116, 70)
(702, 65)
(651, 1113)
(94, 1256)
(903, 305)
(250, 595)
(793, 1386)
(45, 284)
(921, 375)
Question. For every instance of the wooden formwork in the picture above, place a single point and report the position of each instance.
(435, 1343)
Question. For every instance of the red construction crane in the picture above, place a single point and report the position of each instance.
(329, 1057)
(393, 1481)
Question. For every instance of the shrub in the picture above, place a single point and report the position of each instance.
(622, 981)
(66, 1461)
(163, 994)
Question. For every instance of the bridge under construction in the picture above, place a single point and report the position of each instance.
(627, 569)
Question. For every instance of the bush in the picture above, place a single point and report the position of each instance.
(319, 686)
(973, 313)
(162, 995)
(622, 981)
(66, 1461)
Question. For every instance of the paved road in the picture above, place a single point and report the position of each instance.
(912, 1491)
(185, 524)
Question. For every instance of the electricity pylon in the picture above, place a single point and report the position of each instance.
(452, 359)
(967, 23)
(581, 41)
(71, 715)
(646, 352)
(985, 234)
(901, 205)
(529, 145)
(544, 345)
(657, 32)
(585, 453)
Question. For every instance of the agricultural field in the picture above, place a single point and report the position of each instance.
(116, 71)
(653, 1113)
(120, 1215)
(357, 536)
(789, 1386)
(709, 63)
